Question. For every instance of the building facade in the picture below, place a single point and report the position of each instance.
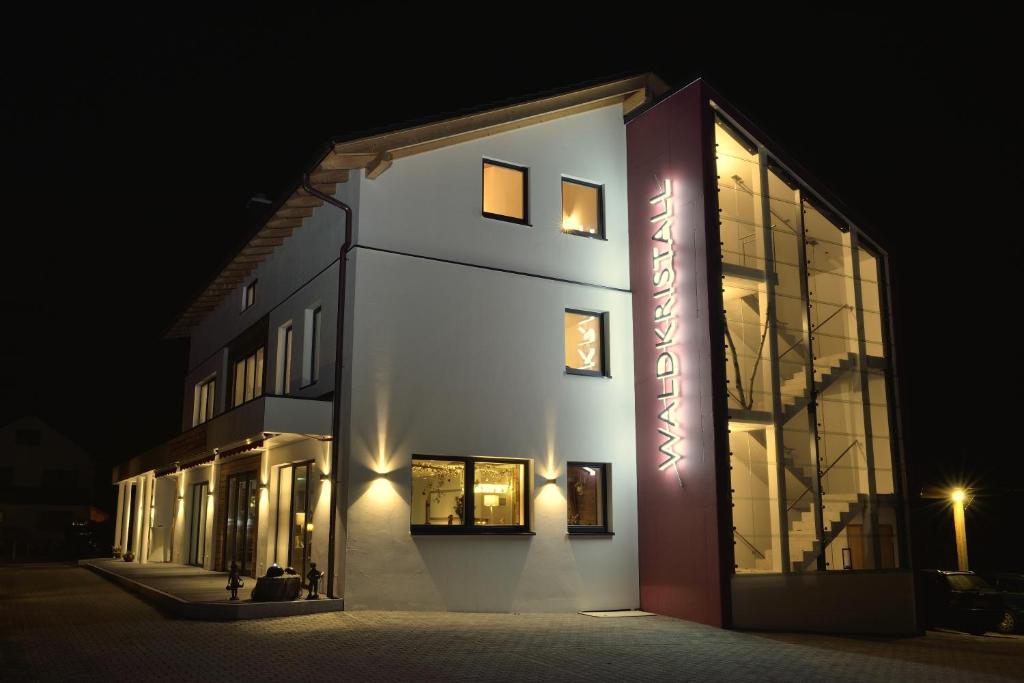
(47, 486)
(538, 406)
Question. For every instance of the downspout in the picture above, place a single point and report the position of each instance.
(338, 344)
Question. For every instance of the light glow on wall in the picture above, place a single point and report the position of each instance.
(666, 324)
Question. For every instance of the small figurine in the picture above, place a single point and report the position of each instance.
(234, 581)
(314, 577)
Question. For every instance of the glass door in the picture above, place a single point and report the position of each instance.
(197, 524)
(300, 520)
(240, 535)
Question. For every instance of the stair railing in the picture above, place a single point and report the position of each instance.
(750, 545)
(823, 473)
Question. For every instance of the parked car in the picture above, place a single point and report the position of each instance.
(961, 600)
(1011, 586)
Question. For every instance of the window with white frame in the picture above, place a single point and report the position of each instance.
(248, 295)
(248, 378)
(285, 343)
(205, 399)
(311, 366)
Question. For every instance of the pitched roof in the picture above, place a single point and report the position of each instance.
(376, 152)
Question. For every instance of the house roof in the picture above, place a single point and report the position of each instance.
(375, 153)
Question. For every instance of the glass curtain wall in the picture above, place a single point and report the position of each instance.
(811, 461)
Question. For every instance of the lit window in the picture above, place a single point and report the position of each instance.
(248, 295)
(206, 393)
(249, 378)
(497, 500)
(584, 343)
(582, 208)
(505, 188)
(587, 498)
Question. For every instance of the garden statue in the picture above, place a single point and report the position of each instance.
(234, 581)
(313, 577)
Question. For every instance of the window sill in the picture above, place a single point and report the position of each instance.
(590, 534)
(507, 219)
(586, 373)
(424, 532)
(588, 235)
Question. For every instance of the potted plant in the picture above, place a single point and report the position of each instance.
(129, 556)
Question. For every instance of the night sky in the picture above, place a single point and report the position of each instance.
(131, 144)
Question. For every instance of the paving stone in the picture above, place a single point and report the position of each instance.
(64, 623)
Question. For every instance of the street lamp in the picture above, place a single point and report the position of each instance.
(960, 528)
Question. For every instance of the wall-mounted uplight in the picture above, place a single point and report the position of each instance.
(263, 484)
(552, 480)
(324, 476)
(181, 497)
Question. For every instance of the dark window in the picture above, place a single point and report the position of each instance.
(585, 352)
(249, 378)
(27, 437)
(249, 295)
(582, 208)
(469, 495)
(61, 479)
(506, 192)
(587, 498)
(314, 348)
(285, 362)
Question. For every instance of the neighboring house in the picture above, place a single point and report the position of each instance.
(46, 487)
(602, 349)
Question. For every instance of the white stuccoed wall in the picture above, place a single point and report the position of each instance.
(301, 274)
(451, 359)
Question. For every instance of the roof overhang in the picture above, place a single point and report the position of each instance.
(374, 154)
(268, 421)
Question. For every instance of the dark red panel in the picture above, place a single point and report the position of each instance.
(682, 466)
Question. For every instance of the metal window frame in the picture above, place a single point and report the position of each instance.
(605, 370)
(584, 529)
(600, 234)
(470, 529)
(525, 220)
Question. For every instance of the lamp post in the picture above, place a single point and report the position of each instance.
(960, 528)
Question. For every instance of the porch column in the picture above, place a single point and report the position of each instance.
(118, 525)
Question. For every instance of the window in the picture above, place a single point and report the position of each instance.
(582, 208)
(505, 192)
(249, 378)
(206, 393)
(314, 345)
(248, 295)
(284, 359)
(584, 343)
(587, 499)
(497, 500)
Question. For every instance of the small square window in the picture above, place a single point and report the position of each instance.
(248, 295)
(587, 498)
(505, 192)
(582, 208)
(584, 343)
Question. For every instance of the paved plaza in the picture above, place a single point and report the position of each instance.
(64, 623)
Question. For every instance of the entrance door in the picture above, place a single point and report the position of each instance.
(301, 520)
(197, 524)
(240, 535)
